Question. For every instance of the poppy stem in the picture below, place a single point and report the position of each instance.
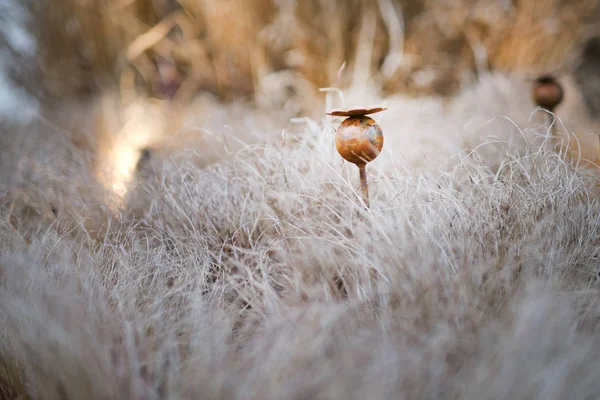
(552, 120)
(363, 183)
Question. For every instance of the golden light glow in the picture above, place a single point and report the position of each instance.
(145, 122)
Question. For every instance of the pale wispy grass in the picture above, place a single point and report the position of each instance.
(473, 275)
(277, 52)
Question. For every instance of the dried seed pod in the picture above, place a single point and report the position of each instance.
(547, 92)
(359, 140)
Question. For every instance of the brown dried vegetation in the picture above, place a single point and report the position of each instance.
(230, 47)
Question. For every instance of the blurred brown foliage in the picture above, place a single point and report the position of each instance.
(173, 49)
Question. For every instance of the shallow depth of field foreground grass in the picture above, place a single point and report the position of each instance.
(261, 276)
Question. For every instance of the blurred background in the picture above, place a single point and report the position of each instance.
(100, 69)
(272, 51)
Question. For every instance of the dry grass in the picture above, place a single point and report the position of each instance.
(236, 48)
(160, 244)
(261, 276)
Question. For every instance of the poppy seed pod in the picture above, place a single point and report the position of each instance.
(547, 92)
(359, 140)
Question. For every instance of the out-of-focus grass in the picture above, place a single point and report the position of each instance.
(12, 385)
(254, 271)
(263, 277)
(230, 47)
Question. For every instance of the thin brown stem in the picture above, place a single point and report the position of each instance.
(363, 183)
(552, 120)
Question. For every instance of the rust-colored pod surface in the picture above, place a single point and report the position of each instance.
(547, 92)
(359, 140)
